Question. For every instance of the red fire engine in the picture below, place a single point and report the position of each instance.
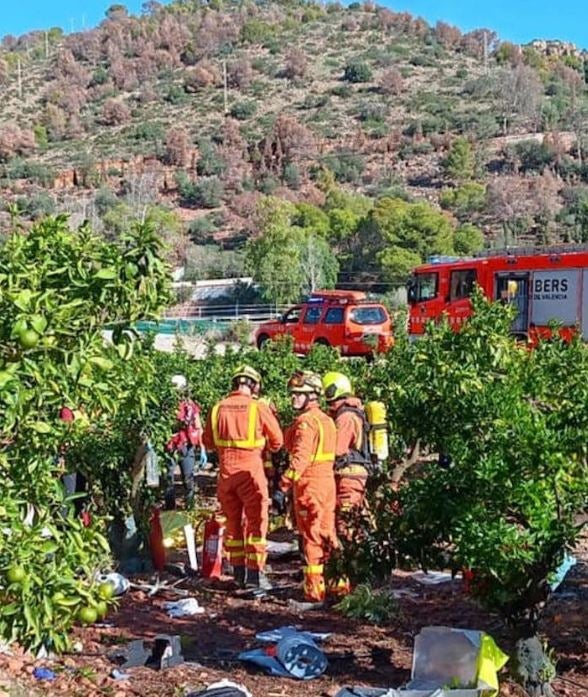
(544, 285)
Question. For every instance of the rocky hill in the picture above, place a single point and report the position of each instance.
(367, 121)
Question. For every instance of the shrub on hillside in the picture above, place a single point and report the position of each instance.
(357, 71)
(531, 155)
(292, 176)
(296, 64)
(206, 192)
(256, 31)
(115, 113)
(36, 205)
(36, 172)
(210, 163)
(202, 230)
(15, 141)
(243, 110)
(465, 200)
(391, 82)
(177, 145)
(372, 111)
(176, 95)
(240, 73)
(202, 76)
(150, 131)
(347, 166)
(468, 239)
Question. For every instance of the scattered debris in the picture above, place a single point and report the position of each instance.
(399, 593)
(119, 582)
(295, 655)
(42, 673)
(447, 662)
(183, 608)
(153, 588)
(460, 657)
(166, 653)
(224, 688)
(274, 635)
(434, 578)
(568, 563)
(117, 674)
(298, 606)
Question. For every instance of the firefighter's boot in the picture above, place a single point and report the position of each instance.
(239, 576)
(258, 580)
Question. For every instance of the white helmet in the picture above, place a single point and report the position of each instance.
(179, 382)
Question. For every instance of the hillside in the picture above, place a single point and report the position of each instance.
(399, 139)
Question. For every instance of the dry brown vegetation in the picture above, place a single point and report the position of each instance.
(265, 98)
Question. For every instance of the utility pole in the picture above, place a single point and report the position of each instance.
(225, 87)
(485, 34)
(46, 44)
(19, 77)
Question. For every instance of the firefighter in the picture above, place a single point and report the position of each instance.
(310, 442)
(352, 453)
(238, 428)
(183, 444)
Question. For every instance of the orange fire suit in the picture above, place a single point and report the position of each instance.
(238, 428)
(350, 472)
(310, 442)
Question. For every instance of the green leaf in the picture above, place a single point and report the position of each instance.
(107, 274)
(102, 363)
(41, 427)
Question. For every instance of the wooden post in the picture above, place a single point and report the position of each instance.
(225, 87)
(19, 77)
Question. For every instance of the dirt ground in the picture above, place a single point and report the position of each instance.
(358, 653)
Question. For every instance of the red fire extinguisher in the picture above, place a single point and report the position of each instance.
(212, 548)
(156, 541)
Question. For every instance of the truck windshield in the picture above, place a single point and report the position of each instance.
(422, 286)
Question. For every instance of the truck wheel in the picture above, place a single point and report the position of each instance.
(322, 342)
(261, 340)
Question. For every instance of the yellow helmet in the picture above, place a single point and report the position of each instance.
(246, 371)
(304, 381)
(336, 385)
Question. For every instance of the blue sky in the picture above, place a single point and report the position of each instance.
(514, 20)
(20, 16)
(520, 21)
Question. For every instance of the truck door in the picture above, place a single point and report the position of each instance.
(585, 306)
(307, 330)
(461, 287)
(512, 288)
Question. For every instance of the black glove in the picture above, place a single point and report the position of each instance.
(279, 501)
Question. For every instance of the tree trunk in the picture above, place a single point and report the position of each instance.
(533, 667)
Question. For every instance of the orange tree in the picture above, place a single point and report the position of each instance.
(58, 290)
(515, 423)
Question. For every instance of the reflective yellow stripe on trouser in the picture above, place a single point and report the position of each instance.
(247, 443)
(235, 551)
(314, 582)
(255, 552)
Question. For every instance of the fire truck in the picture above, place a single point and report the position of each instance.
(543, 284)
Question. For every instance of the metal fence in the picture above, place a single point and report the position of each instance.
(226, 313)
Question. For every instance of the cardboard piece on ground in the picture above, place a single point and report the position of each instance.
(465, 658)
(444, 657)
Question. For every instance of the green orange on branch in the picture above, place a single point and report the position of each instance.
(52, 353)
(15, 574)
